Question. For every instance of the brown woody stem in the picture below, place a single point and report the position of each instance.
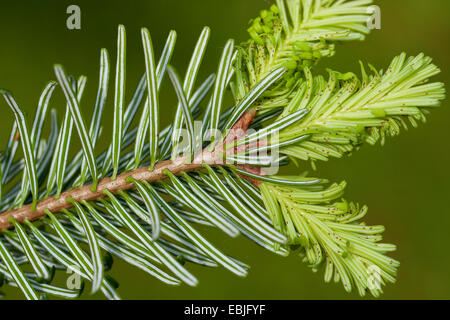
(176, 166)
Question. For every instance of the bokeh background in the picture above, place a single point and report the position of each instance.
(405, 183)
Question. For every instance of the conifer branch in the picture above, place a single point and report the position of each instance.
(142, 198)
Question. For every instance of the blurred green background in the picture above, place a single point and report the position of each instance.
(405, 183)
